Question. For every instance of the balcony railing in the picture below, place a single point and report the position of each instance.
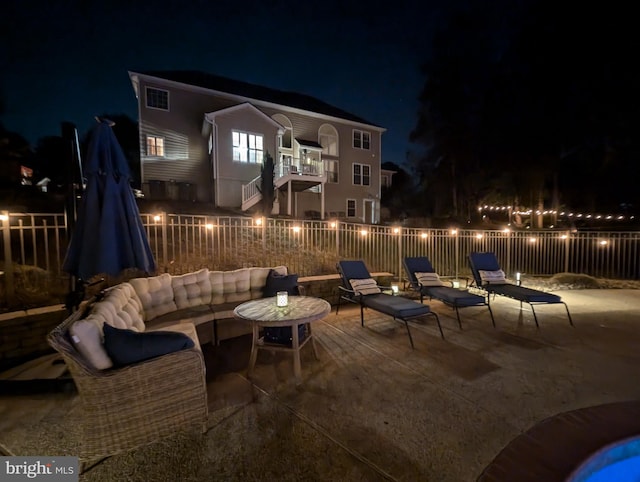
(292, 165)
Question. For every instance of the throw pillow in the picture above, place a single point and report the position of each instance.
(277, 282)
(492, 277)
(127, 346)
(367, 286)
(429, 279)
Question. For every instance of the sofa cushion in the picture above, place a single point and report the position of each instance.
(156, 295)
(195, 315)
(86, 336)
(127, 346)
(258, 279)
(277, 282)
(230, 286)
(121, 308)
(192, 289)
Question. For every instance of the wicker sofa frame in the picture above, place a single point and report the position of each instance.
(125, 408)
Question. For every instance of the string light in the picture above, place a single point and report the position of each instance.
(529, 212)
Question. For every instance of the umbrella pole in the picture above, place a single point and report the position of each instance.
(74, 186)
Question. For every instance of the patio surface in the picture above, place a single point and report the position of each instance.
(371, 408)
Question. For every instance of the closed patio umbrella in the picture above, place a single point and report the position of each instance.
(108, 236)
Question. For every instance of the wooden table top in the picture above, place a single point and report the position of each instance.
(301, 309)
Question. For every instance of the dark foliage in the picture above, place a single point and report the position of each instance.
(530, 103)
(267, 188)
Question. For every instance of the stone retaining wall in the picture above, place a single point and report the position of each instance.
(23, 334)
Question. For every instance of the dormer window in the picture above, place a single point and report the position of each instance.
(157, 98)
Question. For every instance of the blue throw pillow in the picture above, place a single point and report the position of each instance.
(125, 347)
(278, 282)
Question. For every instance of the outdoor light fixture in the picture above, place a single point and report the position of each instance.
(395, 289)
(423, 235)
(532, 240)
(157, 218)
(296, 229)
(603, 243)
(454, 232)
(396, 230)
(282, 298)
(4, 217)
(332, 224)
(258, 221)
(208, 226)
(363, 232)
(518, 278)
(479, 236)
(455, 284)
(564, 236)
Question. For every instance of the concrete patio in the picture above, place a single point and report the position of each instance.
(371, 408)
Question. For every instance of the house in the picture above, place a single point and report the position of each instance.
(204, 137)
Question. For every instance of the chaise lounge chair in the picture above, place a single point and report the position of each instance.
(488, 276)
(424, 280)
(359, 287)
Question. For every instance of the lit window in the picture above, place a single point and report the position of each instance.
(351, 208)
(247, 147)
(155, 146)
(361, 139)
(332, 171)
(157, 99)
(328, 139)
(361, 174)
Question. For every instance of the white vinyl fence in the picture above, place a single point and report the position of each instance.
(183, 243)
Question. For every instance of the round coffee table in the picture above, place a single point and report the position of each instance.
(300, 310)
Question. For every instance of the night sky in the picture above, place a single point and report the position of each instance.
(68, 60)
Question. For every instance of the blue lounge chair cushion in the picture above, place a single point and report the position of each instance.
(454, 296)
(523, 294)
(395, 306)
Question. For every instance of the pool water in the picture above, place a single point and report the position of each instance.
(618, 462)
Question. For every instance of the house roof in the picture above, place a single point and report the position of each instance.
(256, 92)
(308, 143)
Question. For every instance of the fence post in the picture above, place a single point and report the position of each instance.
(567, 248)
(400, 234)
(8, 258)
(163, 220)
(338, 239)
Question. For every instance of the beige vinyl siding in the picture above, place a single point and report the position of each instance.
(187, 158)
(186, 149)
(233, 175)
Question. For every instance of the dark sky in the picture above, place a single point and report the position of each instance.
(68, 60)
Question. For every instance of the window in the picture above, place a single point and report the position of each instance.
(361, 174)
(155, 146)
(332, 170)
(351, 208)
(287, 136)
(361, 139)
(328, 139)
(157, 99)
(247, 147)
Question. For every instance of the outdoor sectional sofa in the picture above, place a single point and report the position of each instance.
(129, 404)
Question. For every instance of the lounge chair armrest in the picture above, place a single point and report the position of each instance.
(352, 293)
